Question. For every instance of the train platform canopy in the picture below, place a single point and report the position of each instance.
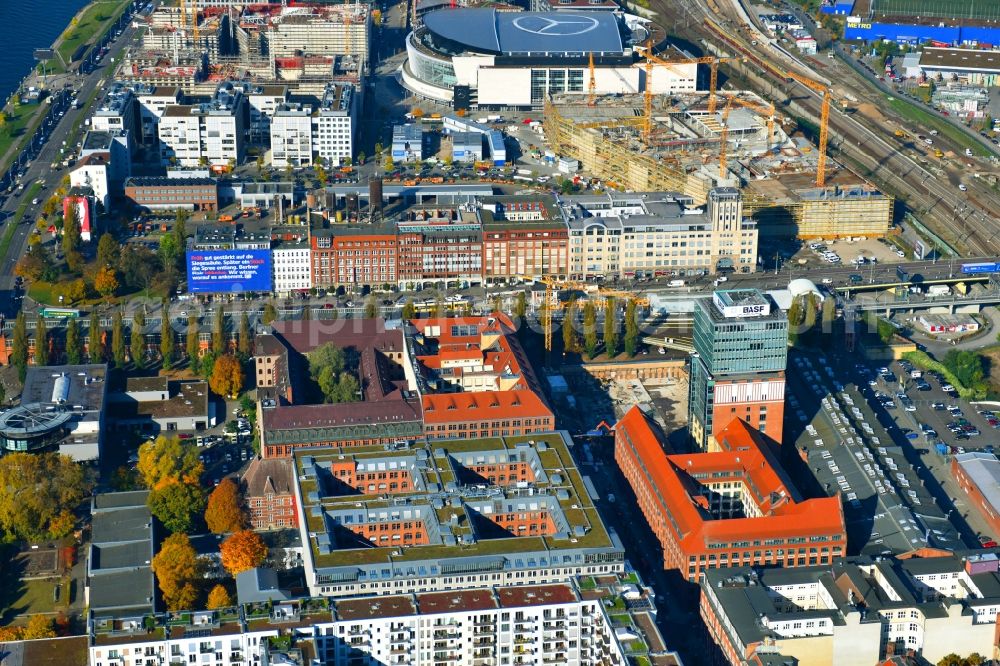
(524, 33)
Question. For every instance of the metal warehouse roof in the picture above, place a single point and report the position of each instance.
(528, 32)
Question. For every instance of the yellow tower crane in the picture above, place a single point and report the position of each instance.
(724, 138)
(712, 61)
(824, 122)
(592, 87)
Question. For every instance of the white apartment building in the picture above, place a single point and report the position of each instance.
(647, 234)
(117, 112)
(291, 136)
(264, 101)
(506, 625)
(207, 641)
(92, 171)
(291, 266)
(209, 134)
(153, 103)
(858, 610)
(301, 133)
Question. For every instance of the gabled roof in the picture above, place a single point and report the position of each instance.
(268, 476)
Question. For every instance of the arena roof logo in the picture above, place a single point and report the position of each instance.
(563, 26)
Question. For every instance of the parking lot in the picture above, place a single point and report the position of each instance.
(853, 449)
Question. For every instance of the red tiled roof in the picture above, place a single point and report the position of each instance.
(483, 406)
(745, 456)
(268, 476)
(289, 417)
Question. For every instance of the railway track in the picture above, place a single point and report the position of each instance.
(965, 220)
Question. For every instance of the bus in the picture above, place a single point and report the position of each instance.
(59, 313)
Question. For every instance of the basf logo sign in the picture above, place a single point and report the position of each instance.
(735, 309)
(228, 271)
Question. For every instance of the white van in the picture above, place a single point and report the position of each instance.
(676, 283)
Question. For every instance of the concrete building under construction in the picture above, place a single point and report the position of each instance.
(679, 147)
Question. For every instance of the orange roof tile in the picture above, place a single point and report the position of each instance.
(483, 406)
(746, 456)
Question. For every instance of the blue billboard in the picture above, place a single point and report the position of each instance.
(228, 271)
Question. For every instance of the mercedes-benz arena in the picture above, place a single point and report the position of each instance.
(495, 60)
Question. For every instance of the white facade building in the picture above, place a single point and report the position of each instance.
(648, 234)
(301, 133)
(153, 103)
(212, 134)
(527, 624)
(292, 267)
(92, 171)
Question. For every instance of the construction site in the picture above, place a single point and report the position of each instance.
(693, 142)
(305, 46)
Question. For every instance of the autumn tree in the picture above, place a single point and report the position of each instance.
(590, 329)
(177, 505)
(31, 266)
(227, 376)
(177, 572)
(409, 309)
(168, 460)
(95, 345)
(71, 231)
(137, 346)
(521, 305)
(39, 626)
(610, 327)
(244, 341)
(118, 339)
(19, 345)
(38, 494)
(193, 346)
(106, 281)
(166, 338)
(74, 343)
(371, 308)
(219, 332)
(569, 335)
(270, 314)
(108, 251)
(242, 551)
(41, 342)
(218, 598)
(631, 328)
(225, 512)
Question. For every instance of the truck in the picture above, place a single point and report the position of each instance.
(676, 283)
(938, 290)
(495, 118)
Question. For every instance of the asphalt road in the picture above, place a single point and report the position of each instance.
(45, 151)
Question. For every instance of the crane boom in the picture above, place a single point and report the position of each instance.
(824, 122)
(592, 87)
(724, 138)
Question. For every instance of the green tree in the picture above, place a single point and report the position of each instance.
(41, 342)
(590, 329)
(347, 388)
(19, 345)
(219, 332)
(193, 347)
(118, 339)
(137, 348)
(71, 231)
(177, 506)
(95, 345)
(74, 343)
(270, 314)
(410, 309)
(371, 309)
(245, 342)
(521, 305)
(166, 338)
(631, 328)
(571, 341)
(796, 317)
(108, 251)
(169, 252)
(179, 231)
(611, 327)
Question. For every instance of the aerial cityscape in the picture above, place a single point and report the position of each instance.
(500, 333)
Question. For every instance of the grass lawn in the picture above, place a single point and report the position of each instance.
(88, 25)
(41, 292)
(931, 121)
(19, 117)
(33, 596)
